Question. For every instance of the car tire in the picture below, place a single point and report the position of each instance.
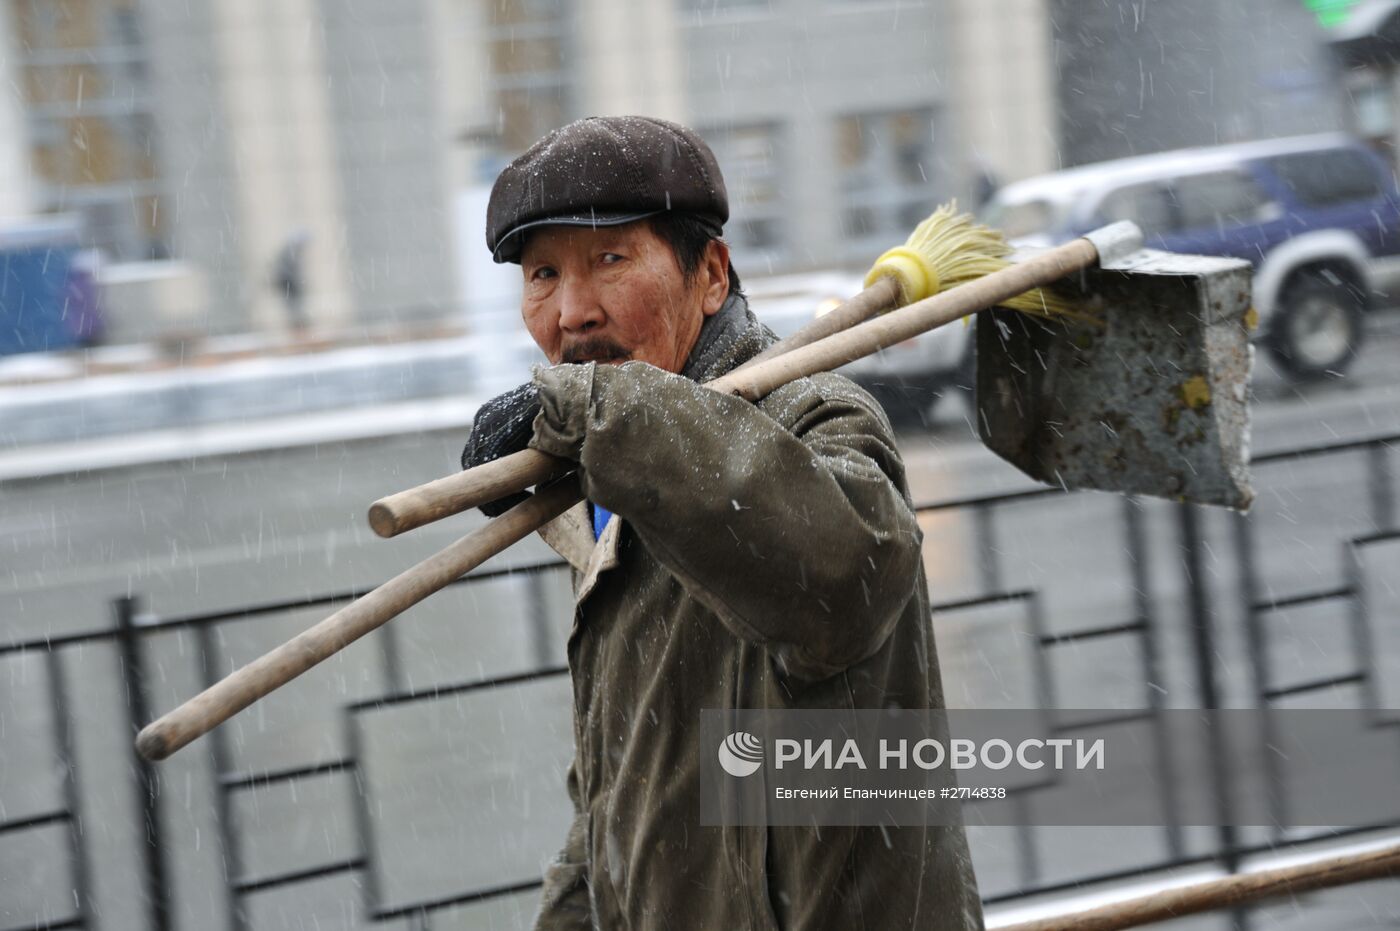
(1318, 327)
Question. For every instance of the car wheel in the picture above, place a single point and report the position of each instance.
(1317, 328)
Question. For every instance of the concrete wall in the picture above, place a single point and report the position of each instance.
(1001, 87)
(273, 80)
(800, 66)
(195, 153)
(630, 58)
(389, 144)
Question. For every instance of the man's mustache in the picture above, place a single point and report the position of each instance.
(597, 349)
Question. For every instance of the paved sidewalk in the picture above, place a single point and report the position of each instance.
(51, 367)
(59, 399)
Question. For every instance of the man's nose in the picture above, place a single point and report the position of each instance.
(579, 310)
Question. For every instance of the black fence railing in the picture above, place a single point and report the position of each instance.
(1142, 629)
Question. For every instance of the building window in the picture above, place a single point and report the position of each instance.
(82, 70)
(528, 46)
(886, 164)
(749, 158)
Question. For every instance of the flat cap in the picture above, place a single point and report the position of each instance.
(604, 171)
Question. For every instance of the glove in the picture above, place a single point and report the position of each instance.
(502, 426)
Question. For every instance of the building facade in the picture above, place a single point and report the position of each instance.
(366, 134)
(216, 133)
(839, 123)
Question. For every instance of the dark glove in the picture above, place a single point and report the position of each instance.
(502, 426)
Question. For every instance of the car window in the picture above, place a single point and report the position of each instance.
(1321, 179)
(1217, 199)
(1147, 205)
(1023, 219)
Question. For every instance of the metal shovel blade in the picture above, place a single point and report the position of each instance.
(1154, 401)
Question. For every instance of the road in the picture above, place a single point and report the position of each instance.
(450, 778)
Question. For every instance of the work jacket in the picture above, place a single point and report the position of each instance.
(763, 556)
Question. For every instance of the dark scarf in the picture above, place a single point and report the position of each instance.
(727, 338)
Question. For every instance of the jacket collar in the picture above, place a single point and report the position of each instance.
(728, 339)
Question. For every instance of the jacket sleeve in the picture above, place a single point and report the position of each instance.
(564, 899)
(798, 537)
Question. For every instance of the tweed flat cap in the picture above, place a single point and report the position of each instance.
(604, 171)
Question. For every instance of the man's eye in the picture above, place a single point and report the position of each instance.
(611, 257)
(542, 273)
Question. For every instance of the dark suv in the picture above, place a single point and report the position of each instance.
(1319, 217)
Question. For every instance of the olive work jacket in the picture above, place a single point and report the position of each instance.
(763, 556)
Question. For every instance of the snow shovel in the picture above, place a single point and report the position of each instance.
(221, 701)
(1141, 387)
(1152, 399)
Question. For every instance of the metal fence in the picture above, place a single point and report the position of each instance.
(243, 882)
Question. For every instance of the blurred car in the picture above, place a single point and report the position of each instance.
(1318, 216)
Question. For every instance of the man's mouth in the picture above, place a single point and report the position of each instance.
(595, 350)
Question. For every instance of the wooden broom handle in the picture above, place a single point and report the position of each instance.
(802, 357)
(1226, 892)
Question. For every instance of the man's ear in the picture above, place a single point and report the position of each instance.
(714, 273)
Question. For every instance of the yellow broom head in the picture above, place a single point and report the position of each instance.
(949, 248)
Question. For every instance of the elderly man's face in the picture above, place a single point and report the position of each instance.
(617, 293)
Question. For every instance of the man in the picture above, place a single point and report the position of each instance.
(731, 555)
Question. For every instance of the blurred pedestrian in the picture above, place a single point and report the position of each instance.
(289, 279)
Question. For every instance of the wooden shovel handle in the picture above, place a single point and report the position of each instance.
(463, 491)
(276, 668)
(1226, 892)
